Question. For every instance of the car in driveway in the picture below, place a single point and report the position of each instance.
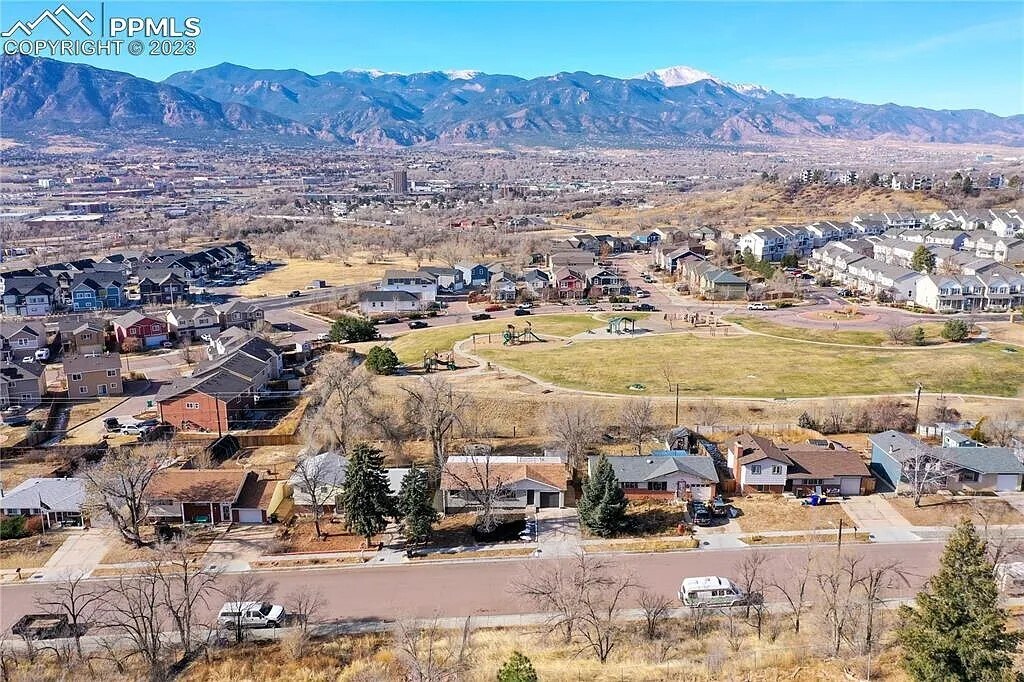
(135, 430)
(418, 324)
(481, 316)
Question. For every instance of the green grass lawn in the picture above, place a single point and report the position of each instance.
(410, 347)
(757, 366)
(854, 338)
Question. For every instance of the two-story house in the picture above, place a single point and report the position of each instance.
(244, 314)
(502, 286)
(95, 292)
(29, 297)
(474, 274)
(21, 383)
(569, 283)
(135, 330)
(192, 324)
(93, 375)
(84, 338)
(423, 284)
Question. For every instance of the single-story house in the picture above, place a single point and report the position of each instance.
(207, 496)
(826, 471)
(972, 468)
(381, 302)
(524, 482)
(664, 474)
(58, 500)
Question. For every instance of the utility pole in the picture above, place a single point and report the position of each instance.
(839, 542)
(677, 404)
(917, 406)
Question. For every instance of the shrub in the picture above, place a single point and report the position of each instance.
(955, 330)
(918, 336)
(352, 329)
(381, 360)
(517, 668)
(806, 421)
(12, 527)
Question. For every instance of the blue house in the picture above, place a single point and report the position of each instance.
(93, 293)
(648, 238)
(474, 274)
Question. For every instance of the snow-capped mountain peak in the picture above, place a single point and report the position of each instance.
(462, 74)
(674, 76)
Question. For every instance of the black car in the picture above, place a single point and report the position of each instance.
(112, 425)
(519, 312)
(481, 316)
(418, 324)
(388, 320)
(294, 294)
(644, 307)
(701, 515)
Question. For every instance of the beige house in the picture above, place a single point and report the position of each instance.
(94, 375)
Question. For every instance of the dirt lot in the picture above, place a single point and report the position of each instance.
(30, 552)
(301, 537)
(13, 473)
(945, 510)
(121, 552)
(769, 512)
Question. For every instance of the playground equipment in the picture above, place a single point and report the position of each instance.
(510, 337)
(622, 325)
(435, 362)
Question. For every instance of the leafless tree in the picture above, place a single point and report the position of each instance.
(133, 608)
(836, 416)
(305, 606)
(898, 334)
(942, 413)
(793, 586)
(585, 597)
(186, 585)
(655, 607)
(752, 577)
(733, 629)
(575, 426)
(924, 473)
(118, 486)
(76, 598)
(708, 412)
(341, 393)
(839, 603)
(482, 484)
(436, 407)
(318, 479)
(638, 421)
(431, 654)
(247, 588)
(873, 581)
(1004, 428)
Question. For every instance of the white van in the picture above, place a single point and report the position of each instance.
(713, 591)
(43, 354)
(250, 614)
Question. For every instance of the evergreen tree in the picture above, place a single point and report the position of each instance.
(956, 630)
(918, 336)
(923, 260)
(382, 360)
(955, 330)
(517, 668)
(602, 507)
(367, 498)
(418, 514)
(352, 329)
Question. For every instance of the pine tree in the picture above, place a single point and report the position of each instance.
(517, 668)
(918, 336)
(956, 630)
(923, 260)
(602, 508)
(418, 514)
(367, 499)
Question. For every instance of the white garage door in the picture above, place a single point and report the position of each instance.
(250, 516)
(1007, 482)
(701, 492)
(849, 486)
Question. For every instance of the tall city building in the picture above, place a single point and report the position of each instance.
(400, 182)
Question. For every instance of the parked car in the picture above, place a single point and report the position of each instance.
(526, 305)
(712, 591)
(519, 312)
(756, 306)
(418, 324)
(493, 308)
(640, 293)
(295, 293)
(134, 430)
(16, 419)
(645, 307)
(166, 344)
(43, 354)
(43, 626)
(702, 515)
(112, 425)
(387, 320)
(594, 309)
(481, 316)
(250, 614)
(323, 337)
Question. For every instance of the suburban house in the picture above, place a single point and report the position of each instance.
(759, 465)
(162, 286)
(22, 339)
(84, 338)
(603, 282)
(522, 482)
(664, 474)
(710, 282)
(772, 243)
(326, 468)
(58, 501)
(647, 238)
(94, 375)
(537, 282)
(474, 274)
(243, 314)
(208, 496)
(569, 283)
(22, 383)
(93, 291)
(449, 280)
(29, 297)
(421, 283)
(146, 331)
(502, 286)
(578, 260)
(381, 302)
(669, 261)
(971, 468)
(192, 324)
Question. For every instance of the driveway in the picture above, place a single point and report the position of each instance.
(240, 546)
(871, 512)
(81, 552)
(558, 532)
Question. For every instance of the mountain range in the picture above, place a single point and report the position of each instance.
(678, 105)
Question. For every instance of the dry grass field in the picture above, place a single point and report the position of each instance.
(932, 333)
(296, 273)
(768, 512)
(943, 510)
(30, 552)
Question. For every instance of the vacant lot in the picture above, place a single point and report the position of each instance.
(943, 510)
(768, 512)
(30, 552)
(754, 366)
(410, 347)
(854, 338)
(296, 273)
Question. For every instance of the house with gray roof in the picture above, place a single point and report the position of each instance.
(664, 474)
(976, 469)
(57, 500)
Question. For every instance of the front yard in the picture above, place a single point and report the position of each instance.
(30, 552)
(121, 552)
(762, 513)
(299, 536)
(651, 518)
(946, 510)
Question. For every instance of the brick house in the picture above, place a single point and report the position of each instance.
(93, 375)
(150, 331)
(207, 496)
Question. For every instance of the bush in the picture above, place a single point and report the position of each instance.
(12, 527)
(918, 337)
(517, 668)
(955, 330)
(806, 421)
(353, 329)
(381, 360)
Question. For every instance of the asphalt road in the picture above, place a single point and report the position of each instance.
(471, 588)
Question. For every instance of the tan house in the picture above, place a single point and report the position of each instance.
(85, 339)
(94, 375)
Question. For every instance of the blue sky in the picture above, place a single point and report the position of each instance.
(938, 55)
